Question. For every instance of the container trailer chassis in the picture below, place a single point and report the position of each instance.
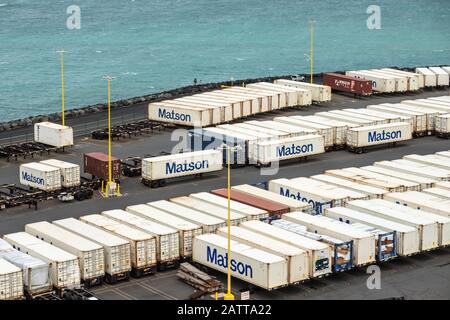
(144, 271)
(361, 150)
(168, 265)
(27, 150)
(114, 278)
(443, 135)
(130, 130)
(78, 294)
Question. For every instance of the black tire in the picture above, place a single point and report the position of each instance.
(162, 183)
(154, 184)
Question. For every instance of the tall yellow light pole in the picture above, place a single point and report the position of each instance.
(110, 185)
(311, 49)
(61, 54)
(229, 295)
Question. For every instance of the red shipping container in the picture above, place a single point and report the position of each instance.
(272, 207)
(340, 82)
(96, 164)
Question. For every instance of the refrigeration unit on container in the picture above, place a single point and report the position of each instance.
(442, 77)
(70, 172)
(379, 83)
(415, 168)
(429, 160)
(339, 128)
(11, 287)
(156, 170)
(267, 152)
(90, 255)
(419, 80)
(421, 201)
(443, 222)
(186, 229)
(327, 132)
(97, 165)
(142, 244)
(336, 191)
(371, 191)
(348, 84)
(373, 179)
(260, 196)
(252, 212)
(443, 126)
(319, 93)
(342, 251)
(36, 273)
(363, 242)
(255, 266)
(180, 115)
(53, 134)
(407, 237)
(401, 83)
(116, 250)
(40, 176)
(294, 131)
(438, 192)
(266, 204)
(412, 80)
(167, 239)
(422, 182)
(65, 269)
(209, 223)
(318, 198)
(210, 209)
(319, 253)
(428, 229)
(359, 139)
(430, 78)
(298, 260)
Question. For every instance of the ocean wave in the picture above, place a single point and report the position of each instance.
(3, 4)
(128, 73)
(99, 51)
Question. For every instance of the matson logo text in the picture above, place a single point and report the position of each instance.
(222, 260)
(31, 178)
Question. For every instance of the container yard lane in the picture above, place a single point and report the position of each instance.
(424, 276)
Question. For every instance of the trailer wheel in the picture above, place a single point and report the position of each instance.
(365, 150)
(162, 183)
(359, 150)
(154, 184)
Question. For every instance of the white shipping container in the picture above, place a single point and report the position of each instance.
(116, 250)
(446, 69)
(209, 223)
(412, 80)
(443, 125)
(231, 109)
(428, 112)
(408, 239)
(379, 83)
(266, 152)
(70, 172)
(438, 192)
(363, 242)
(379, 134)
(35, 272)
(64, 265)
(264, 101)
(443, 185)
(252, 213)
(391, 117)
(143, 245)
(418, 77)
(319, 253)
(275, 98)
(420, 201)
(294, 205)
(249, 264)
(53, 134)
(297, 259)
(181, 164)
(90, 254)
(282, 98)
(318, 198)
(419, 120)
(200, 112)
(428, 229)
(243, 105)
(327, 132)
(294, 131)
(350, 120)
(40, 176)
(186, 229)
(210, 209)
(167, 239)
(419, 169)
(441, 106)
(180, 115)
(340, 128)
(255, 100)
(376, 120)
(319, 93)
(401, 83)
(293, 96)
(443, 222)
(372, 192)
(422, 181)
(443, 154)
(442, 77)
(430, 160)
(11, 287)
(272, 133)
(429, 76)
(304, 96)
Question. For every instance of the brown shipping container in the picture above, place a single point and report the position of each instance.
(272, 207)
(340, 82)
(96, 164)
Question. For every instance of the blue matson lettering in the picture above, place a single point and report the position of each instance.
(285, 151)
(30, 178)
(222, 261)
(318, 206)
(163, 113)
(186, 166)
(383, 136)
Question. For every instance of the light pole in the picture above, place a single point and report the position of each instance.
(311, 48)
(61, 54)
(112, 189)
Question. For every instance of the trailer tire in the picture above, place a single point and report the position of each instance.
(162, 183)
(359, 150)
(154, 184)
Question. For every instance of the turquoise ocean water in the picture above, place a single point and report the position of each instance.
(153, 45)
